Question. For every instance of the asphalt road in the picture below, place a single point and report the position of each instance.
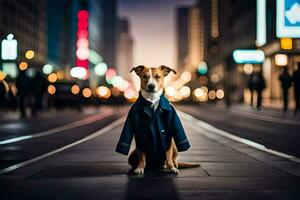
(22, 140)
(90, 168)
(273, 130)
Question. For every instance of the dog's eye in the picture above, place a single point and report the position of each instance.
(145, 77)
(157, 76)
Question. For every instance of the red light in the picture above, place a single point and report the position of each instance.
(83, 53)
(82, 63)
(83, 15)
(82, 43)
(82, 25)
(82, 33)
(111, 73)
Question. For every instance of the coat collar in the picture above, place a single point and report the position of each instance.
(141, 103)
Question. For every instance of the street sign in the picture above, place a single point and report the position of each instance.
(9, 48)
(250, 56)
(288, 19)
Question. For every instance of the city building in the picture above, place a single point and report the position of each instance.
(26, 21)
(280, 51)
(124, 49)
(182, 16)
(63, 38)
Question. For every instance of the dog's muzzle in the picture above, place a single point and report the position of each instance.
(150, 87)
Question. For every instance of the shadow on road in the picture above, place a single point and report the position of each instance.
(152, 185)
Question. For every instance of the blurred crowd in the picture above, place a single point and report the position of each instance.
(27, 91)
(256, 84)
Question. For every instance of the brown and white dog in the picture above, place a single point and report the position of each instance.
(151, 89)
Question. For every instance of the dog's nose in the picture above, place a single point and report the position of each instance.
(151, 87)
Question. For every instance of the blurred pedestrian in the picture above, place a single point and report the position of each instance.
(296, 81)
(286, 82)
(259, 85)
(251, 88)
(3, 93)
(22, 84)
(39, 85)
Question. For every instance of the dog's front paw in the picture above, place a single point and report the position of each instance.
(174, 170)
(139, 171)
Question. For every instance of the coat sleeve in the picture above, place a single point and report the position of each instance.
(179, 135)
(126, 137)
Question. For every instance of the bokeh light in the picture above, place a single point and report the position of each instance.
(82, 43)
(47, 69)
(79, 72)
(52, 77)
(170, 91)
(29, 54)
(202, 68)
(248, 69)
(86, 92)
(75, 89)
(60, 75)
(51, 89)
(185, 91)
(212, 94)
(83, 53)
(186, 76)
(23, 66)
(204, 89)
(130, 93)
(220, 94)
(111, 72)
(83, 15)
(103, 92)
(100, 69)
(2, 76)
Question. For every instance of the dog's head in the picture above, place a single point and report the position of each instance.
(152, 78)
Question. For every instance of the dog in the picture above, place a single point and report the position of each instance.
(164, 143)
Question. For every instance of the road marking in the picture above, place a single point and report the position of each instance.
(268, 118)
(213, 129)
(76, 124)
(89, 137)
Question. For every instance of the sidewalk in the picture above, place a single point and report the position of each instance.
(92, 170)
(271, 112)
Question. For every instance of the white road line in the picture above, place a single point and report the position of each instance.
(76, 124)
(213, 129)
(89, 137)
(268, 118)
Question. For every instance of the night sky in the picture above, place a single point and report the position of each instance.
(153, 30)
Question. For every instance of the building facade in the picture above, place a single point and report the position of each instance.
(26, 20)
(124, 49)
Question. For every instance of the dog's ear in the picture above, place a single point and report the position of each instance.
(138, 69)
(167, 70)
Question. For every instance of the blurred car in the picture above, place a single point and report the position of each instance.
(61, 95)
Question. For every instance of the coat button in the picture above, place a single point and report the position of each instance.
(162, 131)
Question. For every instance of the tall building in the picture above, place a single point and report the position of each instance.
(26, 20)
(110, 31)
(182, 16)
(280, 52)
(190, 38)
(61, 32)
(231, 25)
(62, 20)
(195, 39)
(125, 49)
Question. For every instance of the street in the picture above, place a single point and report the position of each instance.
(272, 129)
(81, 163)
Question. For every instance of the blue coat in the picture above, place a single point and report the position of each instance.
(153, 132)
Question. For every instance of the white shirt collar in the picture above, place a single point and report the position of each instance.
(153, 97)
